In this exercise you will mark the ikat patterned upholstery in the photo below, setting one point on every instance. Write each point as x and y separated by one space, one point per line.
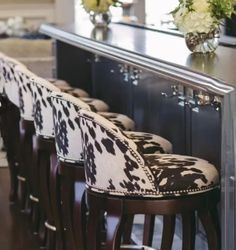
114 165
68 137
42 105
8 81
24 79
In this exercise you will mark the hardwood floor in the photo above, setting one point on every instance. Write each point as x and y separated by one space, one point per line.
15 233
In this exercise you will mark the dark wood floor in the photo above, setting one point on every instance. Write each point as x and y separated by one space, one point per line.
15 233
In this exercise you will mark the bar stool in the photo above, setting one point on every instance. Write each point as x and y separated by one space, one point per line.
11 119
44 150
71 163
121 181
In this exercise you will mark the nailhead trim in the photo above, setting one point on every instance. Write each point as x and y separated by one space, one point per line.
161 194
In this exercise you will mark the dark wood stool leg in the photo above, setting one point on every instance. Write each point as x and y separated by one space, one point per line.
55 199
95 205
189 230
67 193
128 229
23 174
210 228
114 224
34 195
11 120
79 211
168 232
149 222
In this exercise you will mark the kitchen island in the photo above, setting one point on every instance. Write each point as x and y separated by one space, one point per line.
152 77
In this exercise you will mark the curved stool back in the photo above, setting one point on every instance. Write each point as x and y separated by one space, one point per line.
123 181
10 119
69 147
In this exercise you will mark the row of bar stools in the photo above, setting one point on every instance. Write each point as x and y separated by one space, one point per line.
123 181
44 131
17 87
71 161
11 121
67 125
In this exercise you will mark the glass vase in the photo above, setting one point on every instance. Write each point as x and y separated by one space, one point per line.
202 42
100 20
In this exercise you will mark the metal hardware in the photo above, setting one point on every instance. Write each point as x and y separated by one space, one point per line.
135 75
124 70
174 90
196 99
232 178
96 58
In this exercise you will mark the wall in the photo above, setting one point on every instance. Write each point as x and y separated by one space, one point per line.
36 12
24 1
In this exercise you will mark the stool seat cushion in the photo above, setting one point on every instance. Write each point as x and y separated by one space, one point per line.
120 120
95 105
149 143
58 82
180 174
77 92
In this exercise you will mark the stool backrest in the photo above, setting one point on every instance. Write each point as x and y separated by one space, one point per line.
42 107
112 162
8 82
24 78
2 79
10 79
67 133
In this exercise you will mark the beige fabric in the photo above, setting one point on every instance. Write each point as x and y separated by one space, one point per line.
35 54
25 1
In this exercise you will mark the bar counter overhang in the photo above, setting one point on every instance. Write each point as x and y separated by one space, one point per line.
167 56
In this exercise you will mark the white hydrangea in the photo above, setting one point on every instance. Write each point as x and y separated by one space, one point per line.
201 5
197 22
179 16
91 5
196 19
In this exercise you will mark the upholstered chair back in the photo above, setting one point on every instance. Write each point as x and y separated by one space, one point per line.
42 107
2 79
24 79
11 77
7 75
67 133
113 163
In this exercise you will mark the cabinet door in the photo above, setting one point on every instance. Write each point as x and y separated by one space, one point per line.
73 65
111 83
159 109
206 133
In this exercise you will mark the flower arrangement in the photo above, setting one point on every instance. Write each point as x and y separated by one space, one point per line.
201 16
98 6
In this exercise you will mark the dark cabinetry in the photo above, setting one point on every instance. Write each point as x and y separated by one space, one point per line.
188 118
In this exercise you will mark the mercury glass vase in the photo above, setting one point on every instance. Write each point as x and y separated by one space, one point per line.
202 42
100 20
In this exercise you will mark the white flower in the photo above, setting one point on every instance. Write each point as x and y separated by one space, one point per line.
201 5
197 22
179 16
91 5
